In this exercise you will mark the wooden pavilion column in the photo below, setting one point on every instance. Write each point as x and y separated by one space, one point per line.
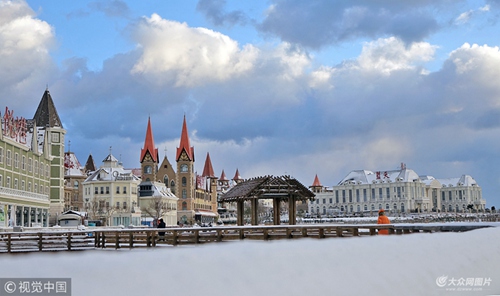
276 211
292 210
254 205
240 211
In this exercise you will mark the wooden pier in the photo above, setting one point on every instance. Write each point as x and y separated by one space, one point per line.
99 238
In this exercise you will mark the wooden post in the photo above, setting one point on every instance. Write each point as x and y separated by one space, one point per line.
131 239
219 235
242 233
373 231
339 232
69 241
304 232
292 210
265 234
276 211
117 242
254 205
196 236
9 243
40 241
148 239
174 237
321 232
103 240
355 231
240 211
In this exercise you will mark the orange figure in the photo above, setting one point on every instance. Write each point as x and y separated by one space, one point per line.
382 219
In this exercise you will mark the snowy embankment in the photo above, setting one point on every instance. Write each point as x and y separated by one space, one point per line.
413 264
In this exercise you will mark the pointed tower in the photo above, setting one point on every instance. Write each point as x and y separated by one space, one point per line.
185 177
48 121
209 175
166 173
237 177
89 165
316 186
149 156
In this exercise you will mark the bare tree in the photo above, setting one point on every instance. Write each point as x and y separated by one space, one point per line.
99 209
156 207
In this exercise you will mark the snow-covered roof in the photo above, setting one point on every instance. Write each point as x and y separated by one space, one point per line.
112 174
367 177
72 166
464 180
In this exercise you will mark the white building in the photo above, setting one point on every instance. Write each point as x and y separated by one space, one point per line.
157 201
110 194
396 191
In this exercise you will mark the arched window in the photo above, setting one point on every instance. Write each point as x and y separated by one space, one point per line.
172 184
366 208
165 180
351 208
184 181
402 207
184 193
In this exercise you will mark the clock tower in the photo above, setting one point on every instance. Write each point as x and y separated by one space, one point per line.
149 157
185 177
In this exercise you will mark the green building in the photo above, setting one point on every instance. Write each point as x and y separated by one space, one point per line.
31 167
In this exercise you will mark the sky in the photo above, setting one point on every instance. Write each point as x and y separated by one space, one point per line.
412 264
267 87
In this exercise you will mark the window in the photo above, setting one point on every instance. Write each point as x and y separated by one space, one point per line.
1 155
380 193
23 185
36 167
16 160
15 183
8 158
96 190
76 184
118 189
55 137
184 206
148 169
117 204
124 205
124 189
29 186
102 190
30 165
107 189
23 163
184 193
36 188
1 181
184 168
184 181
364 195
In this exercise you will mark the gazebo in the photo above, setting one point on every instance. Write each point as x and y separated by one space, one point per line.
283 188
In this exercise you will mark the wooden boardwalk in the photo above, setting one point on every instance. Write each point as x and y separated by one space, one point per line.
97 238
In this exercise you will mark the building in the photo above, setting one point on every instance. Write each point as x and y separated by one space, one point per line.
110 194
31 174
197 194
74 176
396 191
156 199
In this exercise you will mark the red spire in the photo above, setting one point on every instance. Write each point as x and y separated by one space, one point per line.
237 176
149 144
208 170
184 144
223 177
316 182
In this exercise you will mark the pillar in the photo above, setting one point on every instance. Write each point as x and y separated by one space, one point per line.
254 205
292 210
276 211
240 211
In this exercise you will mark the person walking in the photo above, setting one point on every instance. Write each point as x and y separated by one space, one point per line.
161 234
383 219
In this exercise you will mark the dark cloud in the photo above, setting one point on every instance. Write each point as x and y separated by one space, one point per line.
214 11
113 8
315 24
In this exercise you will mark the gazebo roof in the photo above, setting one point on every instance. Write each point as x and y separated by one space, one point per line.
268 187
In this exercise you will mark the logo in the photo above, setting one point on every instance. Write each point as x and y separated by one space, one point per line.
441 281
10 287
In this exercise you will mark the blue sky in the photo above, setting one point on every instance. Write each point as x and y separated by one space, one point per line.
268 87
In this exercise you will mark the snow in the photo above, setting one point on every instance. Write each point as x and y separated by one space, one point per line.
408 264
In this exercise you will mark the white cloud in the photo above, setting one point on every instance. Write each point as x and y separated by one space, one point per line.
24 47
391 54
189 56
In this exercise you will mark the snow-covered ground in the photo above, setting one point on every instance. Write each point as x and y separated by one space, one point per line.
465 263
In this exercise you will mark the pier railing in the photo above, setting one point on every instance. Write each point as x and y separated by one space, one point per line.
96 238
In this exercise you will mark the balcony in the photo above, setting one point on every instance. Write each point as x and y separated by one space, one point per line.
15 193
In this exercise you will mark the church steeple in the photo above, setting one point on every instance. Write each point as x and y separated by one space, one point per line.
149 156
184 144
208 170
149 144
